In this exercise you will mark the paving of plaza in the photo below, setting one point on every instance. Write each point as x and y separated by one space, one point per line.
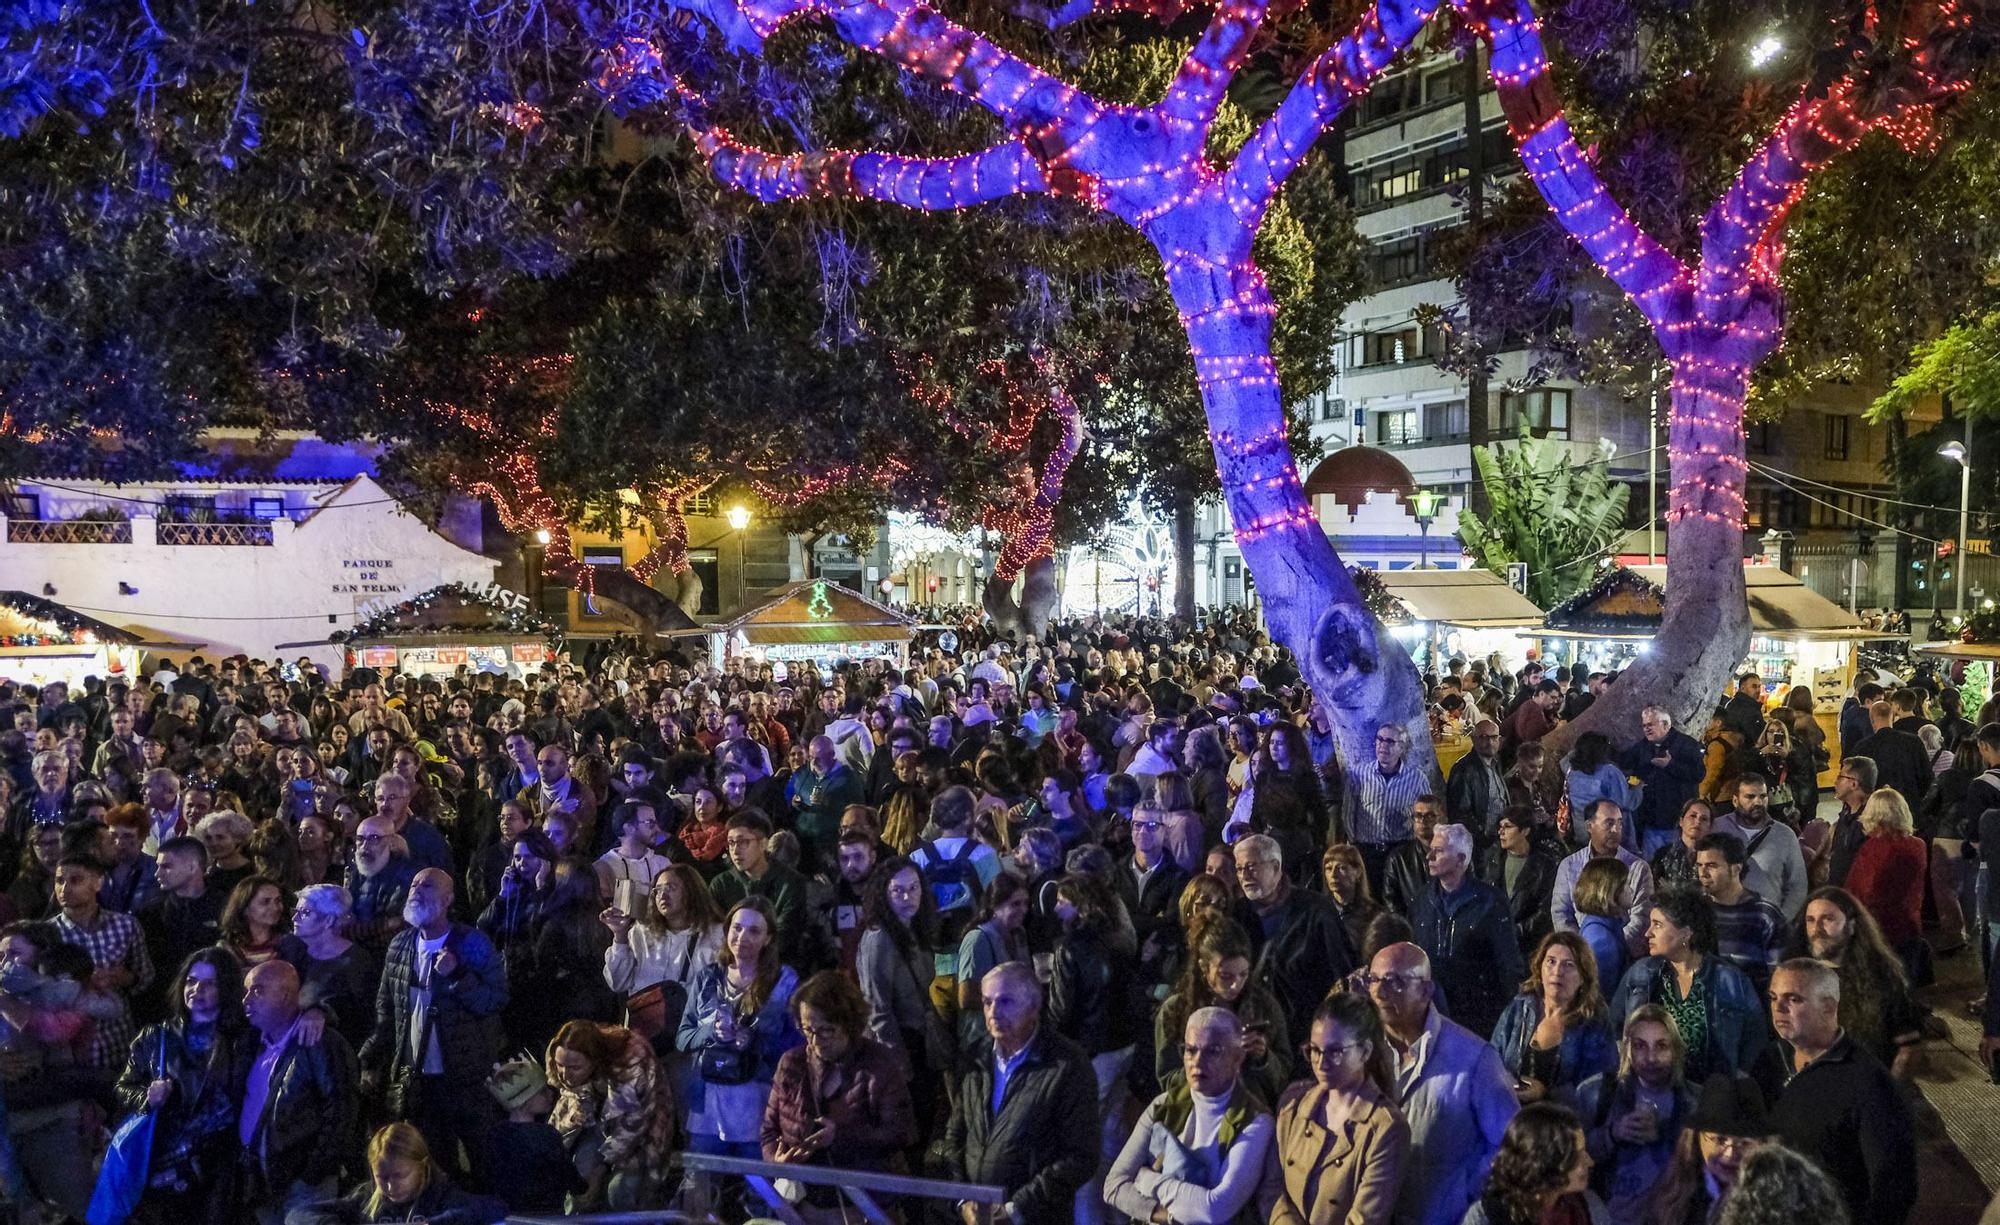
1957 1123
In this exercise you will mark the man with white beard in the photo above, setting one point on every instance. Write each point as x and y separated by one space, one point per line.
379 881
437 1025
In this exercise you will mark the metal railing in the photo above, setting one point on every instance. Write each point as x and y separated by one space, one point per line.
215 533
698 1193
69 531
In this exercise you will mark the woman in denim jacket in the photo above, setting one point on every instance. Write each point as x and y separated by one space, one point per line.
1555 1035
1711 1001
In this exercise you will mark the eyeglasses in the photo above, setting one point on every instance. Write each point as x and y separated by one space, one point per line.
1393 983
1328 1054
1389 741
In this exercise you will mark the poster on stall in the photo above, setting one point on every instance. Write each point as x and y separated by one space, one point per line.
488 659
530 654
379 657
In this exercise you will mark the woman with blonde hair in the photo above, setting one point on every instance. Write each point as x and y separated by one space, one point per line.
1888 871
1555 1034
615 1112
1347 884
404 1184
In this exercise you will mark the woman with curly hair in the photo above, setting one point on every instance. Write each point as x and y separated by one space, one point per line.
1217 975
1717 1011
615 1112
1541 1174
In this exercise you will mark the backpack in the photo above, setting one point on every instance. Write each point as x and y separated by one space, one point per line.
953 880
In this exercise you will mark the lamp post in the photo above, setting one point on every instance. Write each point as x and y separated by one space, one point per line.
1961 454
536 552
1424 502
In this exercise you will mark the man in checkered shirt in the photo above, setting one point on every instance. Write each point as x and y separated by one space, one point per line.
116 948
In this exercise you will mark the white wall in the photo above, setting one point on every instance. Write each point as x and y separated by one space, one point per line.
358 547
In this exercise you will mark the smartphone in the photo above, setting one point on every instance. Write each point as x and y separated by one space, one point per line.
625 896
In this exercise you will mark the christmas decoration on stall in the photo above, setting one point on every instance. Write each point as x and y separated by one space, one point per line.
1619 602
819 608
485 613
54 625
1376 597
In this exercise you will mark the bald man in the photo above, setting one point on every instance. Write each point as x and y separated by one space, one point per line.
819 792
301 1102
437 1024
1210 1115
1456 1093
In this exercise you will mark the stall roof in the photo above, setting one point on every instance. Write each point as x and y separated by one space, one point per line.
1628 602
36 608
452 612
1471 597
817 610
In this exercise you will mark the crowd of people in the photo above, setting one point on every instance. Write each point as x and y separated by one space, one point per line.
1106 920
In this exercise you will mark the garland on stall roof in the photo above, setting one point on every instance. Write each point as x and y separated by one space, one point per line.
1582 611
71 628
1375 597
498 618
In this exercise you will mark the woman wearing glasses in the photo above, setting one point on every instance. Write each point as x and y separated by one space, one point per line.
1341 1143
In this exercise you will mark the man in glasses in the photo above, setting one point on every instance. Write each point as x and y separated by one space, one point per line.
1379 796
1457 1096
1302 948
1209 1116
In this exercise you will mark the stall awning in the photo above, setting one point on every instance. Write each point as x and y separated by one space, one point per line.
22 614
1475 598
1628 603
817 611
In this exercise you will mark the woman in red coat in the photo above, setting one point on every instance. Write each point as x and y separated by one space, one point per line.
1887 876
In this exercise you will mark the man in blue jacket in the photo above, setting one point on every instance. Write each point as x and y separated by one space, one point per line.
1669 767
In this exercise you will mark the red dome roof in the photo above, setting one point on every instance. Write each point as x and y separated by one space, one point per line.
1352 473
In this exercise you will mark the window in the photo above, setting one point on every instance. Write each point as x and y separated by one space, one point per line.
1545 411
266 509
1400 178
190 508
1232 580
1445 421
24 506
1396 426
604 555
1836 436
1759 438
1444 84
1395 262
1389 348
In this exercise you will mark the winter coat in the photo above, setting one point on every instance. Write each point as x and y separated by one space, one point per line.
1305 954
465 1005
629 1106
1528 904
1090 993
1041 1145
1475 954
870 1110
1359 1174
1735 1016
311 1124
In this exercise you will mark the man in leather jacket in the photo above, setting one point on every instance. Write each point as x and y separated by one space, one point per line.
300 1100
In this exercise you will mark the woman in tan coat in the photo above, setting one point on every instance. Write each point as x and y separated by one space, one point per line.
1341 1143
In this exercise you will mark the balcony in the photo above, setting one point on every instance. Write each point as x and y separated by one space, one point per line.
215 534
68 531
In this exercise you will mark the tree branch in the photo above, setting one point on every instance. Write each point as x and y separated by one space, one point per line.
1204 75
1029 528
1636 262
1006 169
1342 73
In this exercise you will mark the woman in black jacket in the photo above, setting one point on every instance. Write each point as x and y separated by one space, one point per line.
1094 1000
544 922
187 1068
404 1184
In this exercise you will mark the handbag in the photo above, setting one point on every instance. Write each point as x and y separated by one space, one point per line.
727 1065
121 1180
654 1012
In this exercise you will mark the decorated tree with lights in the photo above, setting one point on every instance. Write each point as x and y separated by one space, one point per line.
1717 308
1151 167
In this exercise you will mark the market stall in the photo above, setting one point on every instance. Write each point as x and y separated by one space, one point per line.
481 628
1797 636
815 621
42 641
1468 613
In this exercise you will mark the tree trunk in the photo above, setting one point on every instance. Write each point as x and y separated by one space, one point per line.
1361 675
1705 632
1002 608
1184 558
1039 597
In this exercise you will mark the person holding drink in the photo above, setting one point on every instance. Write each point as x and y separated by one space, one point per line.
735 1027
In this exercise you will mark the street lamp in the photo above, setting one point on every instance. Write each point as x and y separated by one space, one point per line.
1766 49
1961 454
1424 502
738 516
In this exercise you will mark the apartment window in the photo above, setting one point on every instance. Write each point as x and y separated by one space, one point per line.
1836 436
1759 438
26 506
1389 348
267 509
707 566
1545 411
1445 421
1396 426
1444 84
1402 260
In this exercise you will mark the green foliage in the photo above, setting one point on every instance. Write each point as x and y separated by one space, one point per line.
1558 515
1963 364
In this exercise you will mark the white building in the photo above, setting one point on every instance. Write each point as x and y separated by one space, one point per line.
237 564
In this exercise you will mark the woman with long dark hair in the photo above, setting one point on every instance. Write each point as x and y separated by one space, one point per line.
1541 1174
894 965
1217 974
999 934
187 1069
254 920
